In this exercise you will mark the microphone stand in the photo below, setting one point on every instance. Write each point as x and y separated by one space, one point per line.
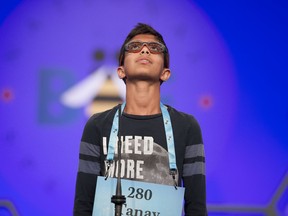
118 199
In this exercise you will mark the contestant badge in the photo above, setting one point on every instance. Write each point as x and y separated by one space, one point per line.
142 198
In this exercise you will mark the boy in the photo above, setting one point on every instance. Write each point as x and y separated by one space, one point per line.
144 65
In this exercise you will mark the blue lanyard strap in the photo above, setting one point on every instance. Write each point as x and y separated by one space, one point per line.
169 137
113 135
168 133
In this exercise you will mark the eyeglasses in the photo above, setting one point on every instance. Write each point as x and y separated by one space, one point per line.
136 46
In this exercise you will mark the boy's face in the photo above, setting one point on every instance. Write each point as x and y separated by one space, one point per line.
145 64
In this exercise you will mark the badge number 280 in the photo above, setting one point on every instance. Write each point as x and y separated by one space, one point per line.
139 193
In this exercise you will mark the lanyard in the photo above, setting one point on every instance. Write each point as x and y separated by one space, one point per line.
168 133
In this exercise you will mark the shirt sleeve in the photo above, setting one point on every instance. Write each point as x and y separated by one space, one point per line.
88 169
194 179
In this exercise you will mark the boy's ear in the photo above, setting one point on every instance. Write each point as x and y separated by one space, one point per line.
121 72
165 74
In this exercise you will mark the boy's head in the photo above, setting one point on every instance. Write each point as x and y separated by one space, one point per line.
141 28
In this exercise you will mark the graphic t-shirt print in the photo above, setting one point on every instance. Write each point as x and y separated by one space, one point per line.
141 159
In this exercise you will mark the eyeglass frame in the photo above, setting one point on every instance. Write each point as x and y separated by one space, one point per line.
147 44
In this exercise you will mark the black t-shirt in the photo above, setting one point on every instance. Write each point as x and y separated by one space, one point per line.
144 156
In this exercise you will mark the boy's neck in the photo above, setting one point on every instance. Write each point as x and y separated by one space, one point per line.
142 98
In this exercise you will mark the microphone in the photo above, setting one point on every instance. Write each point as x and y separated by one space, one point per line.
118 199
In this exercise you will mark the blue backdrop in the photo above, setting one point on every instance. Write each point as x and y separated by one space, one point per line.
229 70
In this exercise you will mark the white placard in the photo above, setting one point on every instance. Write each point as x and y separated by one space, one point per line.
142 198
